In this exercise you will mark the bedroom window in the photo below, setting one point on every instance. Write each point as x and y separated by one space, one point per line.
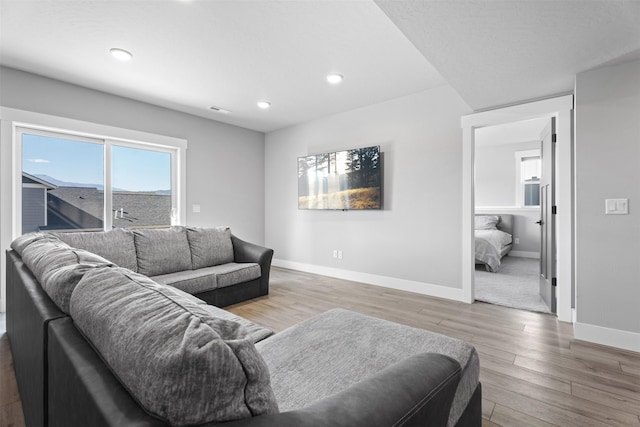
72 182
528 170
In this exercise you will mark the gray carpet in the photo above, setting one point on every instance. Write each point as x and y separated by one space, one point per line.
516 285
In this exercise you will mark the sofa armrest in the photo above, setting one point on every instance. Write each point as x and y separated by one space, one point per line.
249 252
416 391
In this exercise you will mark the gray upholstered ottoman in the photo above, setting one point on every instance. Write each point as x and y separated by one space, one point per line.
330 352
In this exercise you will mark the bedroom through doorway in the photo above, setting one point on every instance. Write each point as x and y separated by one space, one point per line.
508 215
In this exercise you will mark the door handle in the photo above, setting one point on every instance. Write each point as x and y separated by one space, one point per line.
539 222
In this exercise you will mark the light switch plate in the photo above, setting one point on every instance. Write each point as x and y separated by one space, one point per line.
196 208
616 207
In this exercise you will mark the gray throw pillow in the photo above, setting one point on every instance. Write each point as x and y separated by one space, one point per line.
162 251
178 361
210 246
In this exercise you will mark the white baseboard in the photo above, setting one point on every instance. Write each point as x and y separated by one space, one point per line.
525 254
607 336
373 279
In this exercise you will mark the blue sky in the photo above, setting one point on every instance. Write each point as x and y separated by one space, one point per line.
82 162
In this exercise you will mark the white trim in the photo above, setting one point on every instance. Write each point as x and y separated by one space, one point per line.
519 156
607 336
11 165
561 107
373 279
51 123
525 254
500 209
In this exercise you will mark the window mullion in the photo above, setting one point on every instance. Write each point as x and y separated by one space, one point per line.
108 193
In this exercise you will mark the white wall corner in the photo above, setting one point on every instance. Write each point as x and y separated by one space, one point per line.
428 289
606 336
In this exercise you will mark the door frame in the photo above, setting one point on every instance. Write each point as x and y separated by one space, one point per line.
561 108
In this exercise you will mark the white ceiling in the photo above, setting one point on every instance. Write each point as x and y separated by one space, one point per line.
511 133
189 55
500 52
192 54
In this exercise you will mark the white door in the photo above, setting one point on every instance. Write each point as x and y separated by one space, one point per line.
547 217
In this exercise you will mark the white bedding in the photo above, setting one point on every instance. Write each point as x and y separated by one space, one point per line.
489 244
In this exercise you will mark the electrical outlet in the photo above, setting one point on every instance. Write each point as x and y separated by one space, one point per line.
517 240
339 254
335 253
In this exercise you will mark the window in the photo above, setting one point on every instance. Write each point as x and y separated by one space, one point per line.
528 171
72 182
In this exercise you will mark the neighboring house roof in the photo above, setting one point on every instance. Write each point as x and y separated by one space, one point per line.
30 179
83 207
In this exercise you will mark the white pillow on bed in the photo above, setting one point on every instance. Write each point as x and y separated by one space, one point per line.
487 222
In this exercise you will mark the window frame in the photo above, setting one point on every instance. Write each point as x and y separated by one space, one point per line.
519 157
13 121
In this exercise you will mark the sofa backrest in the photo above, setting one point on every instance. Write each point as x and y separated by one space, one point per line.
59 267
162 251
150 252
116 245
210 246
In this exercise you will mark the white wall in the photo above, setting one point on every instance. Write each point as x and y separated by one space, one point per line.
495 173
416 237
495 192
607 155
224 165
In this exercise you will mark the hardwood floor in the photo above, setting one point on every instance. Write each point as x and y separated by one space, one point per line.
534 373
10 406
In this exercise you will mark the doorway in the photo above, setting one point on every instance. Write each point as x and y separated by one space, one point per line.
561 108
510 196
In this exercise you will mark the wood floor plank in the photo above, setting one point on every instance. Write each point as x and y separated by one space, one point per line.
506 356
533 377
505 416
8 386
630 369
487 408
578 346
566 402
623 403
11 415
537 409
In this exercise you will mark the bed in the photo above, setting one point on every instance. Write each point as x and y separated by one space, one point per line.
493 237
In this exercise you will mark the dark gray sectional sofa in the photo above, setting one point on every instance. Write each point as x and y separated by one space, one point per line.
210 263
97 344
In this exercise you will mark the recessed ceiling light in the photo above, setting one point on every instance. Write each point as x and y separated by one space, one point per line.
219 110
264 104
334 78
121 54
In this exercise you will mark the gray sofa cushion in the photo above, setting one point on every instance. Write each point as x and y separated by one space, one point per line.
180 363
191 281
20 243
60 283
115 245
234 273
330 352
210 246
210 278
59 267
162 251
